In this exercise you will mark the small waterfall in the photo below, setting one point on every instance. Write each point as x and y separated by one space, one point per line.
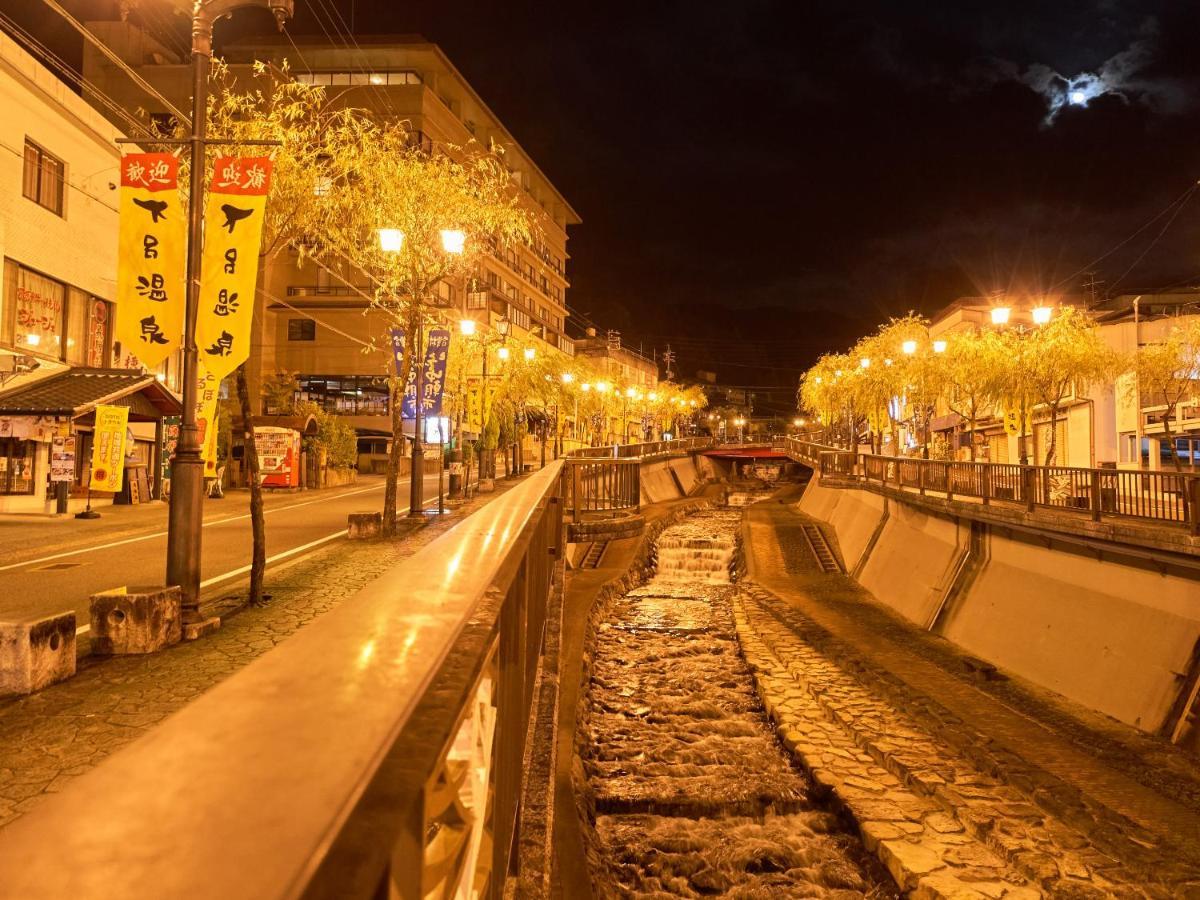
697 550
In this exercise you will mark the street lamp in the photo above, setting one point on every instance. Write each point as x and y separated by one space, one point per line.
502 353
530 353
466 327
391 240
453 240
1000 315
1042 314
909 347
185 518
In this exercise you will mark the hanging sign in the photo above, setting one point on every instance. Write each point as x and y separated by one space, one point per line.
108 448
62 458
233 224
151 251
170 440
437 346
206 417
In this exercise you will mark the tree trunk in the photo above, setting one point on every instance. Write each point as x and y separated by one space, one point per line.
1052 445
1170 439
258 525
398 381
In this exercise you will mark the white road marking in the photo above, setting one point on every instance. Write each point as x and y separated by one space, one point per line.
158 534
83 629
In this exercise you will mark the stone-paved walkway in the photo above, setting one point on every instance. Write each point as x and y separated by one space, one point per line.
48 738
1076 804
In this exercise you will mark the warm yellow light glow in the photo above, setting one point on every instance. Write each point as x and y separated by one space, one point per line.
939 346
585 387
739 421
887 362
530 353
818 379
376 79
1042 314
802 423
602 387
865 363
466 327
1000 315
567 377
502 352
909 347
391 240
453 240
837 373
630 392
797 422
653 396
161 377
691 403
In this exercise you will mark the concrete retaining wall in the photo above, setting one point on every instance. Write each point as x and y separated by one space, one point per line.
1114 633
657 483
1111 635
913 561
685 470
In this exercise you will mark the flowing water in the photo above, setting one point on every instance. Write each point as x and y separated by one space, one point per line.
694 796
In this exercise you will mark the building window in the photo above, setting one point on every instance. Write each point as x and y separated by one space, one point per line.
17 466
377 79
33 311
348 395
43 180
302 330
477 300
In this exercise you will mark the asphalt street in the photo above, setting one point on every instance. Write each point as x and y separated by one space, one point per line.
49 567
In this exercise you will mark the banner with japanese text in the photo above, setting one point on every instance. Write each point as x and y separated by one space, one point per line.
108 448
207 394
151 258
437 349
233 225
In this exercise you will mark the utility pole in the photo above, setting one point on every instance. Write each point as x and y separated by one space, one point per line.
668 359
186 514
1092 287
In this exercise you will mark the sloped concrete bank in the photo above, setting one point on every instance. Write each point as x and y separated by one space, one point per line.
683 788
1101 625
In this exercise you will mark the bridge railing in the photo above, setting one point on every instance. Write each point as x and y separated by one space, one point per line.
379 752
1160 496
602 485
806 452
643 451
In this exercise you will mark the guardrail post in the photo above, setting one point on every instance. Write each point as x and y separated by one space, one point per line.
1194 511
921 478
949 482
1095 495
576 488
985 484
1029 477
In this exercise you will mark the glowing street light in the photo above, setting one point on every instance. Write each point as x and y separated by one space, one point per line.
502 352
939 346
630 392
466 327
909 347
453 240
1000 315
390 240
1042 314
530 353
865 363
585 387
602 387
567 377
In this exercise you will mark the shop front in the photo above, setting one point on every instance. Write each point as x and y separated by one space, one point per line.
45 438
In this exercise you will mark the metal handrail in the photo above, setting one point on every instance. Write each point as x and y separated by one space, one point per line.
645 450
379 751
1162 496
602 485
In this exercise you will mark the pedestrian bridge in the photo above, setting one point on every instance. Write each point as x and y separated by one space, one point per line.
751 719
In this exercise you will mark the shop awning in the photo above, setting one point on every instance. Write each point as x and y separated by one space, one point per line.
77 392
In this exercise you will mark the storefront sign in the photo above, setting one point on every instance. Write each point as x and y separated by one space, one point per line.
170 442
62 458
151 251
32 428
233 223
38 312
108 448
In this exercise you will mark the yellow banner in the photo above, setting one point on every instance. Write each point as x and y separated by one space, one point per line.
151 254
233 224
206 418
108 448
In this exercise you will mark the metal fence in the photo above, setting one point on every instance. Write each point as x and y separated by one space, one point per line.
646 450
379 752
1160 496
602 485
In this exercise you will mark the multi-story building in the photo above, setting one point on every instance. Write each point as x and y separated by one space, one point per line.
312 324
58 239
625 370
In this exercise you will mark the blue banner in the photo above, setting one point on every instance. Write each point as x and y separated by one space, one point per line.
437 348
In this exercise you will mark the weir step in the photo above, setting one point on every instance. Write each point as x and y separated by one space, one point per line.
820 548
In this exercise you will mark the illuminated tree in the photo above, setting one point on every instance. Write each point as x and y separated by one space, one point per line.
1168 372
413 219
975 364
1064 356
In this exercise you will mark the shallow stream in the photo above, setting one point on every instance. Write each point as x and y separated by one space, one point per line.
694 796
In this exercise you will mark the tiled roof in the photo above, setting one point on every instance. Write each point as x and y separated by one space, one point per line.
77 391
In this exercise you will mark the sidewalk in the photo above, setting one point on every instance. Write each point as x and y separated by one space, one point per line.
48 738
1064 795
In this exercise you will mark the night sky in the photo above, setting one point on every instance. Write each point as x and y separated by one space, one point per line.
763 181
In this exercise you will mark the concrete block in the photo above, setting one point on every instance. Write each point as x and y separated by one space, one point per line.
360 526
193 631
36 653
136 620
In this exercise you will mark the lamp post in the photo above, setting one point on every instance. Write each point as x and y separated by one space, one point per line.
185 516
392 241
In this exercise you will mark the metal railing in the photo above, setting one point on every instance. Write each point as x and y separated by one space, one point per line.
379 752
1160 496
643 451
602 485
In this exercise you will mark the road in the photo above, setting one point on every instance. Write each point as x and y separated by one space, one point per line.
68 568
